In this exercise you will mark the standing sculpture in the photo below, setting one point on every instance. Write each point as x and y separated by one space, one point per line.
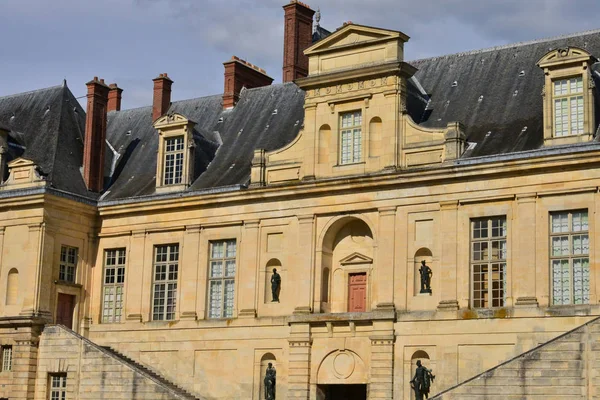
270 382
275 285
421 383
426 274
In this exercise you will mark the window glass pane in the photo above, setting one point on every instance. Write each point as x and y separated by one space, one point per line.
229 295
216 298
217 249
581 281
560 246
560 222
561 282
216 269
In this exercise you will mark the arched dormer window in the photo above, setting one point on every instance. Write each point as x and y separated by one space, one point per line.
568 96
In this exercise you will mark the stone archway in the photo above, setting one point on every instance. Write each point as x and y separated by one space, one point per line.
342 374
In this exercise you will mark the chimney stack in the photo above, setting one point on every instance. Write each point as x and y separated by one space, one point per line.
240 74
162 96
114 97
297 37
95 134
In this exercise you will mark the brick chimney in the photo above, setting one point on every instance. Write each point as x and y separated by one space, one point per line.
114 97
240 74
95 134
297 37
162 96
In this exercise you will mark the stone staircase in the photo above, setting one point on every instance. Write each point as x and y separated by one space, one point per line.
184 394
100 372
567 367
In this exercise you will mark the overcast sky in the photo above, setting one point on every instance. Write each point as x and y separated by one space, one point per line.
132 41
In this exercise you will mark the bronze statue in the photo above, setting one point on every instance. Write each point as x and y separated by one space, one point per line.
275 285
270 381
421 383
426 274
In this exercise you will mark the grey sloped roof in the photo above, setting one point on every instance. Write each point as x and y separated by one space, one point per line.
509 116
225 140
47 126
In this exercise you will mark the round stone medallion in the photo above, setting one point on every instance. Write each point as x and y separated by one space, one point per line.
343 365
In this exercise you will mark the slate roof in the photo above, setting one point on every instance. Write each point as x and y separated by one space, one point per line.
268 117
497 96
509 116
47 126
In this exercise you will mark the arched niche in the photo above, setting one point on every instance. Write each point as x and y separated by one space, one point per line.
422 254
422 356
347 248
264 363
375 133
12 287
342 367
324 144
272 263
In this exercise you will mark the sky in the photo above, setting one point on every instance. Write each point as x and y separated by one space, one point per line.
131 41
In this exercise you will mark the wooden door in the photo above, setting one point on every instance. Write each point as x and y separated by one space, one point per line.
357 292
65 309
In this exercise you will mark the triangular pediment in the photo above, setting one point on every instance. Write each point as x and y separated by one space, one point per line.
356 258
354 35
174 119
20 162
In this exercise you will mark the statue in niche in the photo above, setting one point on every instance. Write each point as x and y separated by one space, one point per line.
270 382
275 285
426 274
421 383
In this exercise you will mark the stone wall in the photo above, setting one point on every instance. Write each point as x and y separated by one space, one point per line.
565 367
94 372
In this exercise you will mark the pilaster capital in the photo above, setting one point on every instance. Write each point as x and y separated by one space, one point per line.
387 211
252 224
2 229
448 205
138 233
36 227
306 219
526 198
191 229
382 340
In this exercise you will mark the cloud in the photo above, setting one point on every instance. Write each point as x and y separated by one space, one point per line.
134 40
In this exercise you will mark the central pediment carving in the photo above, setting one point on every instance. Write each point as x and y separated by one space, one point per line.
356 258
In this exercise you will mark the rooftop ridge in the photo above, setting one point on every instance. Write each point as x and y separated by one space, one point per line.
32 91
510 45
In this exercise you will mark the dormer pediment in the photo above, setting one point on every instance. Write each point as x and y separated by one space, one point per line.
23 174
352 35
564 56
356 258
171 121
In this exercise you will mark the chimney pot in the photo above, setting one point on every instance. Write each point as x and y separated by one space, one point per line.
114 97
297 38
239 74
162 96
95 135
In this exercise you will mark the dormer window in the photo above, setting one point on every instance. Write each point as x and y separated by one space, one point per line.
568 96
174 154
568 107
351 137
175 163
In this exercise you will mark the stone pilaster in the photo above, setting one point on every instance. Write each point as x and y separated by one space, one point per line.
381 385
189 272
135 267
524 276
32 274
386 258
305 256
25 355
299 362
449 226
248 269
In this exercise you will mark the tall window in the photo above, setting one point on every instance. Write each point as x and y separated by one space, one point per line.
221 278
174 148
58 386
351 137
569 257
114 281
166 269
488 261
6 358
68 264
568 107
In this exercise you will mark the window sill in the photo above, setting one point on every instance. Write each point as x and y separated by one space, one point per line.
570 139
349 165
